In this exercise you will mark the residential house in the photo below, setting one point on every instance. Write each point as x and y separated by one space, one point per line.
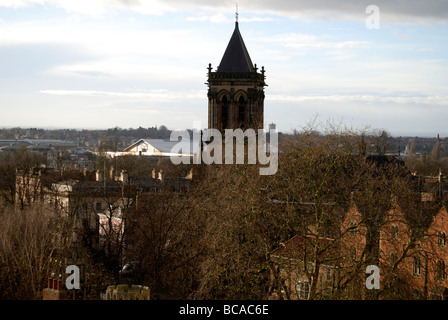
160 148
293 263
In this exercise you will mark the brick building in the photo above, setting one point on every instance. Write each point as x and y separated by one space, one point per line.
289 261
411 255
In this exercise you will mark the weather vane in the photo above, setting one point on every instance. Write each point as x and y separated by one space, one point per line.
236 13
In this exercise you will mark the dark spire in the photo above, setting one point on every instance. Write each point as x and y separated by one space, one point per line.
236 57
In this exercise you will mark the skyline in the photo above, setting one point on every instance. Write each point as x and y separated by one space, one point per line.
103 64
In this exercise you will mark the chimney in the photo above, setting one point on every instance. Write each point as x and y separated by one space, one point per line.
124 176
111 173
99 176
161 175
189 175
154 173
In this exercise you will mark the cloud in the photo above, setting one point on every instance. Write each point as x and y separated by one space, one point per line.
289 44
426 100
94 7
217 18
161 93
155 94
221 18
410 11
108 37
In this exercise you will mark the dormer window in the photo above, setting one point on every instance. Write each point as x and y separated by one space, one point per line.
394 232
354 228
441 239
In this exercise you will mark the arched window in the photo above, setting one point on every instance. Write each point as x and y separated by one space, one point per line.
241 112
224 112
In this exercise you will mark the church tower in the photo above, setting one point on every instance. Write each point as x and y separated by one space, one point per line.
236 89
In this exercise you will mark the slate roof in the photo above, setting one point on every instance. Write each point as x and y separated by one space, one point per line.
236 57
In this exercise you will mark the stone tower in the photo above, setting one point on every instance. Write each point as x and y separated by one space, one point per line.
236 89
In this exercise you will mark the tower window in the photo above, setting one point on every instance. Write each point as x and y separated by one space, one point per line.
224 112
241 111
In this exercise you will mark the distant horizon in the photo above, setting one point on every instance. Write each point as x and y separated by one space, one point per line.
191 128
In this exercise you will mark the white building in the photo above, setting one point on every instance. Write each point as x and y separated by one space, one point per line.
160 147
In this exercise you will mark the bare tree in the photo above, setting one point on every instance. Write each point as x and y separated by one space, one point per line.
29 239
163 244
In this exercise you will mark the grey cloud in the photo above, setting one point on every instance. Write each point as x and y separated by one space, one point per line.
401 11
411 11
128 3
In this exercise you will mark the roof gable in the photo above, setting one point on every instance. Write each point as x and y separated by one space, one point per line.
167 146
440 221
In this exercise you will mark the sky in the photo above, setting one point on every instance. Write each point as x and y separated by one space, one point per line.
93 64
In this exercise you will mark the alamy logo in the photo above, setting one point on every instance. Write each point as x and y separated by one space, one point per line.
73 280
235 147
373 280
373 20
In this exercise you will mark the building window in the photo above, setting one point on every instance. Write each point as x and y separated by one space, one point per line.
224 112
303 289
354 228
440 270
328 274
98 206
441 239
241 111
394 232
417 266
